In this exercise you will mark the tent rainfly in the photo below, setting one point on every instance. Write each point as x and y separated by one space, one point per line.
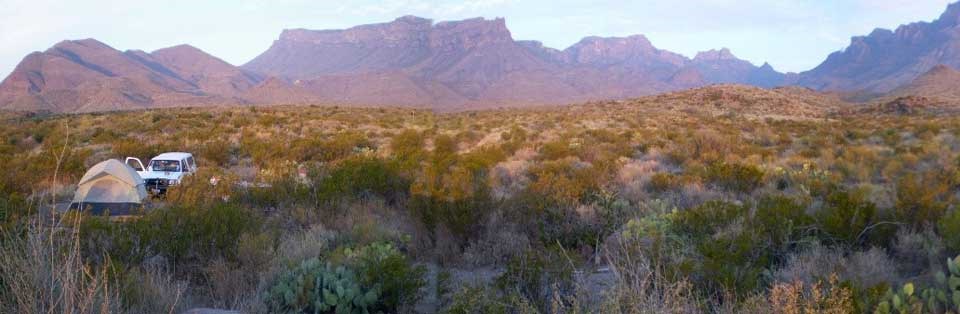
110 186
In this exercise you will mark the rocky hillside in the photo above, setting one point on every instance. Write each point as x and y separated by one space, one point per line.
87 75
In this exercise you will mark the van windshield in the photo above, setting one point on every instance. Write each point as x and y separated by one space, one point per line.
165 165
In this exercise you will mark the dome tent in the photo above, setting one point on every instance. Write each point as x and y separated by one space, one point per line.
110 186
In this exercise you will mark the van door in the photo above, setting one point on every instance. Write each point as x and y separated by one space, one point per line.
192 163
136 164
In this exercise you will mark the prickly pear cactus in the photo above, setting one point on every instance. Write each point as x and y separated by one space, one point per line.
942 297
316 287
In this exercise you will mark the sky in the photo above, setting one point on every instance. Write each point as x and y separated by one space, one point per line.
792 35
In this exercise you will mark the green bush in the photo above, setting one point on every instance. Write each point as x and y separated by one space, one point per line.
372 278
184 235
383 266
316 287
363 176
949 228
845 216
731 256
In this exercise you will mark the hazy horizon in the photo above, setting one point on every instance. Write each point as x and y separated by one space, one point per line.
791 35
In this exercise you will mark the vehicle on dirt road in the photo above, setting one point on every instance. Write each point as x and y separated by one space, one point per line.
164 170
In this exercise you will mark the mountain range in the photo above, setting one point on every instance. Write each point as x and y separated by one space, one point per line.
453 65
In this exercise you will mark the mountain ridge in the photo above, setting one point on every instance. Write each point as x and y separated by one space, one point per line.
452 65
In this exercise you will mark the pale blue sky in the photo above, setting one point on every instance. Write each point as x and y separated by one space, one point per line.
793 35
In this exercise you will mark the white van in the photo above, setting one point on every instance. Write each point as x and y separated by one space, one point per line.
164 170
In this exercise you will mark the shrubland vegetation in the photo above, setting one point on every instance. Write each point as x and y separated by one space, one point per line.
608 208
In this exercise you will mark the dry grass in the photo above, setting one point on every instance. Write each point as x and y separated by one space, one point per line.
44 273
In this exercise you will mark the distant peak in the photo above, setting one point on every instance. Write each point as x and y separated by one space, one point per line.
496 23
633 40
412 19
180 48
87 42
473 30
715 55
951 15
878 32
940 69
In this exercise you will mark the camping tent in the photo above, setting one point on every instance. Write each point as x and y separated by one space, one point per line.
109 185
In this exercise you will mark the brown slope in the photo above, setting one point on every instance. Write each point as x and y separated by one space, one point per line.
87 75
937 91
781 103
206 72
940 82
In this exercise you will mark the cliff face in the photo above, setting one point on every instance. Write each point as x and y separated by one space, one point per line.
476 63
884 60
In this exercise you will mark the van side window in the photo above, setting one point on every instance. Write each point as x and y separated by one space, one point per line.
192 163
186 165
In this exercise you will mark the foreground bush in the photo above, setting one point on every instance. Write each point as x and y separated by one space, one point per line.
182 235
42 271
374 278
316 287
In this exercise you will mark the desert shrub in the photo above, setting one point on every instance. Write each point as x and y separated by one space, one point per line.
846 216
495 245
462 217
281 192
13 207
949 228
186 236
781 222
475 299
662 182
197 189
794 298
918 200
556 150
219 152
536 276
359 177
152 290
918 250
339 146
734 176
407 148
566 181
734 246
